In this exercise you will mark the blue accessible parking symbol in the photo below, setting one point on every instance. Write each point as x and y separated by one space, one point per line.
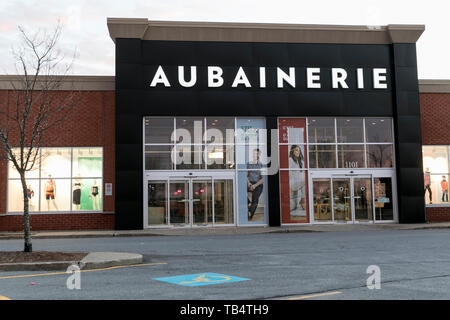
200 279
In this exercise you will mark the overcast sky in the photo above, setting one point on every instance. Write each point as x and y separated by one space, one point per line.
84 23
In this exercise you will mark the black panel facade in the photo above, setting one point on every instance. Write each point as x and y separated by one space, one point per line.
138 60
408 138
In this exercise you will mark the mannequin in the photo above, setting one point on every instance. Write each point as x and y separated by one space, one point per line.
50 192
427 183
444 188
95 191
76 194
30 194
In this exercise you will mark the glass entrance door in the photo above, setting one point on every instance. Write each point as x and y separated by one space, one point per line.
352 199
190 201
344 199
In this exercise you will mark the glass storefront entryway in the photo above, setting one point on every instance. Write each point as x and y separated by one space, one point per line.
187 200
352 198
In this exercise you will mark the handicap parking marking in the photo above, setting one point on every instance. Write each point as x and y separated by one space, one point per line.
200 279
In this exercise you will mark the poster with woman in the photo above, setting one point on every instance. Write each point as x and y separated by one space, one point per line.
293 171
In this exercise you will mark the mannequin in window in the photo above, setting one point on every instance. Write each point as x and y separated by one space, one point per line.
50 192
95 190
76 194
296 182
30 195
444 188
427 183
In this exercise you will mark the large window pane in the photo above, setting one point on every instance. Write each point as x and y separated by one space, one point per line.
435 159
189 157
322 156
217 130
351 156
87 162
158 158
349 130
321 130
158 130
34 173
220 156
436 189
190 130
55 163
87 194
55 194
157 202
15 195
380 156
378 130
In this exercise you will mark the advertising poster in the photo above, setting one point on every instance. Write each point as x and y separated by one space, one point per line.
252 187
293 174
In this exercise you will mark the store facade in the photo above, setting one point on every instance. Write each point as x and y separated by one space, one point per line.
224 124
255 124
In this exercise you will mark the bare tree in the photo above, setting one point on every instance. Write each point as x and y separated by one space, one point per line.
33 106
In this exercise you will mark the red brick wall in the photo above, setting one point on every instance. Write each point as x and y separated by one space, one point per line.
90 123
435 119
438 214
74 221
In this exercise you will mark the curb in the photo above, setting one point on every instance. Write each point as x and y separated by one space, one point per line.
224 231
93 260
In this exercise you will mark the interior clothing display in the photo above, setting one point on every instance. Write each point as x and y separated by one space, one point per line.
76 195
427 183
50 187
30 193
94 191
444 188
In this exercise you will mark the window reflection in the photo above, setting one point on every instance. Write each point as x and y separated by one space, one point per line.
380 156
378 130
321 130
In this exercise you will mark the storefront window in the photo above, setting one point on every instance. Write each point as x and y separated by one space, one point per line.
436 168
159 130
350 130
378 130
189 130
322 156
63 180
321 130
380 156
351 156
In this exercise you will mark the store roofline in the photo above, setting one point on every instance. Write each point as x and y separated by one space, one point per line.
107 83
144 29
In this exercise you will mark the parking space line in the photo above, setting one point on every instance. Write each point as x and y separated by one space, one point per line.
315 295
90 270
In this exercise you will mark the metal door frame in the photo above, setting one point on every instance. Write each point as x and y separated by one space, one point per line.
363 173
189 176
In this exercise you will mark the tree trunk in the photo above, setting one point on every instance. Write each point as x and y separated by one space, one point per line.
28 247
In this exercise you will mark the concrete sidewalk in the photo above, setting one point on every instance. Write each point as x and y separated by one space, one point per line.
199 231
93 260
